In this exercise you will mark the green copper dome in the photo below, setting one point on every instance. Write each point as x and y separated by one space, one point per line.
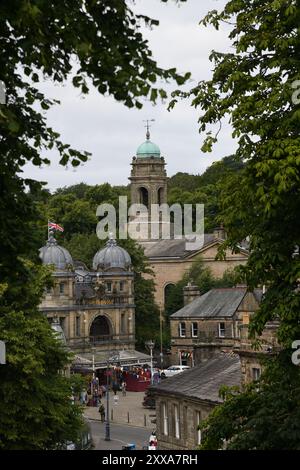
148 149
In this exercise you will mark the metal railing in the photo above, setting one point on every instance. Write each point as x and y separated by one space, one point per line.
99 340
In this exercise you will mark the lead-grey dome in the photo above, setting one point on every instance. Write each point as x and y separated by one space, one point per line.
58 331
112 256
52 253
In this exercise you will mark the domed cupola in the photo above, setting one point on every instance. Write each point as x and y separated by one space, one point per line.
58 331
52 253
111 257
148 149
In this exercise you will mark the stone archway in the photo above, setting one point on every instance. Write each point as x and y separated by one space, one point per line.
144 197
100 329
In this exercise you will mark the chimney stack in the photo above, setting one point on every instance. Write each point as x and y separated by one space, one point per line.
220 233
190 293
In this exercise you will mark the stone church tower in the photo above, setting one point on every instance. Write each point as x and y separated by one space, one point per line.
148 181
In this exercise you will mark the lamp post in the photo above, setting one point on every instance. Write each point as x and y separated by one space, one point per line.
161 337
111 359
107 425
150 344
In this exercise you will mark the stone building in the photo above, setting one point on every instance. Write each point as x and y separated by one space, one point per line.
95 308
185 400
252 359
210 322
169 258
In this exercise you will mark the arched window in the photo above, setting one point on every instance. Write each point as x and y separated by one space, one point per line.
168 297
160 196
144 197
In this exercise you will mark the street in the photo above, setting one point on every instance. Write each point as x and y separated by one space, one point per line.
120 435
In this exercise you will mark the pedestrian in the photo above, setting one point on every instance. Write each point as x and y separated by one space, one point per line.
116 399
102 412
124 388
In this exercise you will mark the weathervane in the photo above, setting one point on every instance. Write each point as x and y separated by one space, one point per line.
148 127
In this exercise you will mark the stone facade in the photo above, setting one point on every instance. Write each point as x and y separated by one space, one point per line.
252 359
181 434
78 316
169 259
185 400
169 271
95 308
205 330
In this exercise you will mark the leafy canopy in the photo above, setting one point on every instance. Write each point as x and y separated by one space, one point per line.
95 43
254 87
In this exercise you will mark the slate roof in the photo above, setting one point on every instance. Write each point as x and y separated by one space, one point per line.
215 303
174 248
83 290
204 381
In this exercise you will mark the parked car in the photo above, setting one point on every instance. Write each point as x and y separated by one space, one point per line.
173 370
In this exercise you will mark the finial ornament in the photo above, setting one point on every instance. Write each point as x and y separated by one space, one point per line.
148 127
51 240
111 240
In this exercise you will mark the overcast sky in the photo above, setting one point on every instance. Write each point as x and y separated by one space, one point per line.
112 133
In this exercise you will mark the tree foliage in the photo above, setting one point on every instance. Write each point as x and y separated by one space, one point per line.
204 189
95 43
35 407
255 85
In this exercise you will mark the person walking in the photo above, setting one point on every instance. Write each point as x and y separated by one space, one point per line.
102 412
124 388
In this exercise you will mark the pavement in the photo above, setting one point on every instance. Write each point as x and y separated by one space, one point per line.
127 410
120 435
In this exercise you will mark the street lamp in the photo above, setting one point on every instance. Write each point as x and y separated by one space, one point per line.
114 357
161 337
150 344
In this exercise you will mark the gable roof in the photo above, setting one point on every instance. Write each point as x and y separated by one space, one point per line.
204 381
175 248
215 303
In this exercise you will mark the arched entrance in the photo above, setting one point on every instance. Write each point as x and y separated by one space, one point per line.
144 197
100 330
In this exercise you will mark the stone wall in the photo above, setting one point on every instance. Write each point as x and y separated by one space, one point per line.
170 272
190 412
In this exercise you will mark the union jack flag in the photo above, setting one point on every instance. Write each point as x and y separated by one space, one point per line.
54 226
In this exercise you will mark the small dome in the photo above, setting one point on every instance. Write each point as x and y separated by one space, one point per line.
148 149
58 331
52 253
112 256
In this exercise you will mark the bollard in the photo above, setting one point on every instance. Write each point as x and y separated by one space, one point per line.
112 415
127 416
145 420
